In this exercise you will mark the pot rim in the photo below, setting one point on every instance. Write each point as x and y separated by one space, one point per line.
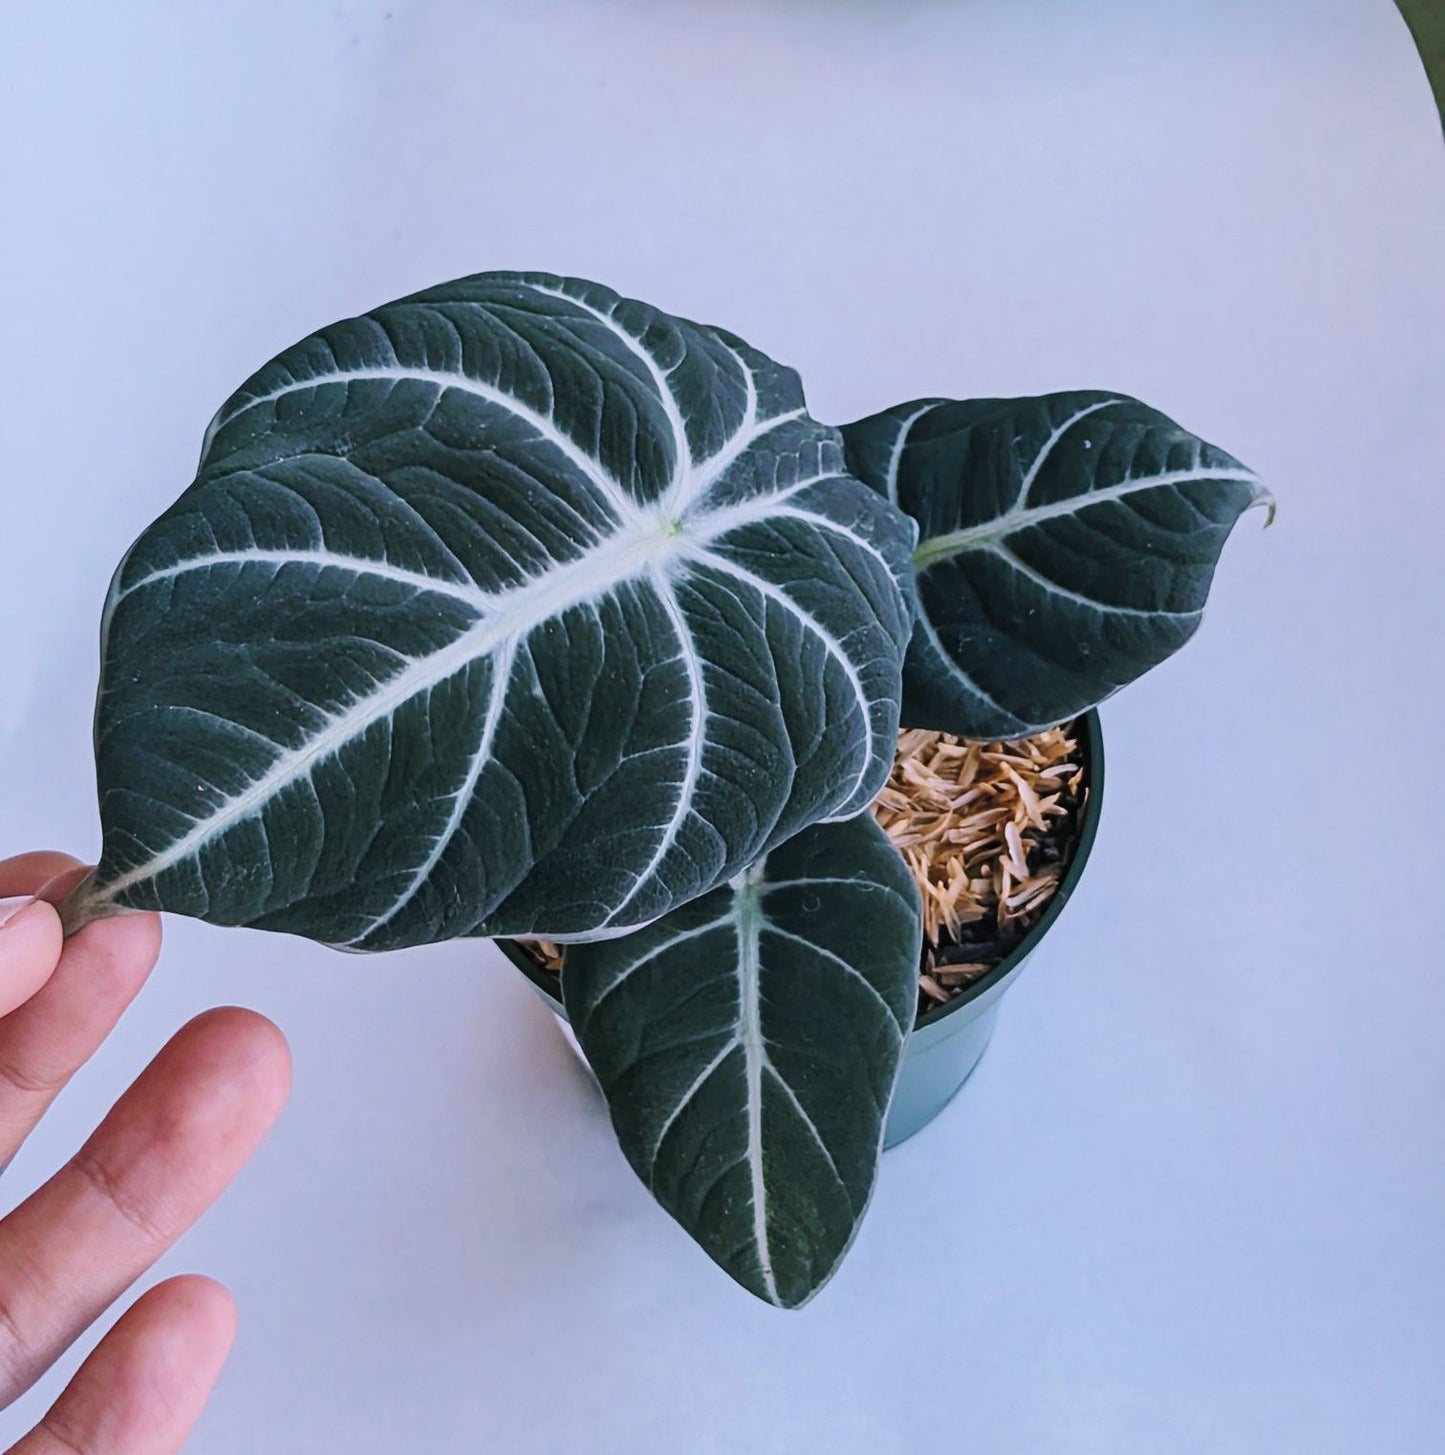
1092 741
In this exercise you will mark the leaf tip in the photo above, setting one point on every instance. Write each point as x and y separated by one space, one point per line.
1264 499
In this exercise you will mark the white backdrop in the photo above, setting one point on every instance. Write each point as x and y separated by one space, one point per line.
1195 1198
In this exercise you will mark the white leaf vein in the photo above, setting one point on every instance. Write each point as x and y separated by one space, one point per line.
941 547
418 581
624 508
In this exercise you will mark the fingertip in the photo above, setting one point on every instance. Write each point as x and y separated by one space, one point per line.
30 945
133 937
253 1035
147 1382
110 959
57 887
27 873
200 1305
246 1050
184 1330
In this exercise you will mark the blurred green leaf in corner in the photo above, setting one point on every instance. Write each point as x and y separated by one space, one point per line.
1426 19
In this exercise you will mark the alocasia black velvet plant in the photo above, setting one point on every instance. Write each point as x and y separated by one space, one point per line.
516 608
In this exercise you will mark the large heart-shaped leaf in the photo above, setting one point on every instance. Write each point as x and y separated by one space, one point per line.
748 1046
513 607
1066 545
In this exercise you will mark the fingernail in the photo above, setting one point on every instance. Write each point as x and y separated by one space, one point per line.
9 908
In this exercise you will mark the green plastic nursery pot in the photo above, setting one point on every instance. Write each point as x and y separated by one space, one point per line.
947 1043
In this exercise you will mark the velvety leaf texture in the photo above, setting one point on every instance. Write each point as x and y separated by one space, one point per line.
512 607
1066 546
748 1046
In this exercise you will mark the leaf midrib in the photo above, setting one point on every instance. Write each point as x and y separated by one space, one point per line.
941 548
652 547
749 915
625 509
597 572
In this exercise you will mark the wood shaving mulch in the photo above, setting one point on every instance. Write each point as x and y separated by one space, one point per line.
987 829
545 953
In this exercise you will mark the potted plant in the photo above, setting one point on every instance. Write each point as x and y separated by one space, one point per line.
521 610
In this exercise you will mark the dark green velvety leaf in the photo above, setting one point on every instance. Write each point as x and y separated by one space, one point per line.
512 607
1066 545
748 1046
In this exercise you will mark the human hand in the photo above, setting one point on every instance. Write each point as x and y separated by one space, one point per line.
164 1153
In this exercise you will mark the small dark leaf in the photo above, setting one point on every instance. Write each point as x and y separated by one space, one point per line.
1067 544
748 1046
